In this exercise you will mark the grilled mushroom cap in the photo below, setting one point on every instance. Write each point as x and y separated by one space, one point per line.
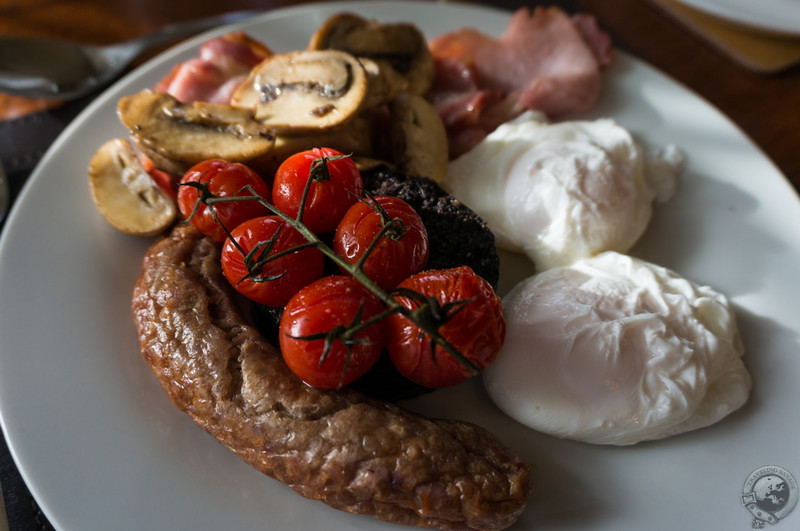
305 91
417 138
124 192
182 135
400 50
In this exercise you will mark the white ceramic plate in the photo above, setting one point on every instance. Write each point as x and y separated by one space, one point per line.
779 16
101 446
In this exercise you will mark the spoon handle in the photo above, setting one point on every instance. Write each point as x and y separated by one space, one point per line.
53 69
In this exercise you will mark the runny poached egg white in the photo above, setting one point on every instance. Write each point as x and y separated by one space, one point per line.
616 350
563 191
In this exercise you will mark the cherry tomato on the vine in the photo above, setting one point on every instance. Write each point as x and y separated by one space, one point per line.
401 251
328 198
270 282
477 330
223 179
330 304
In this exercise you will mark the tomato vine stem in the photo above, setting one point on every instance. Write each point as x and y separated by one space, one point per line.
429 315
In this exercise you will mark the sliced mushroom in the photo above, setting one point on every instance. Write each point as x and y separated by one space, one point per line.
336 30
125 194
381 87
305 91
417 140
399 49
171 166
356 138
182 135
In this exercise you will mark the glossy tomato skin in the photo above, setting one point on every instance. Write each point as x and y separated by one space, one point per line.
318 308
396 257
224 179
327 201
477 331
296 270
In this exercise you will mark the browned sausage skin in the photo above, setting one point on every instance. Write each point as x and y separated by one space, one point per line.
352 452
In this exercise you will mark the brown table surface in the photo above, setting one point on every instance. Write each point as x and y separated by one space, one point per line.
765 107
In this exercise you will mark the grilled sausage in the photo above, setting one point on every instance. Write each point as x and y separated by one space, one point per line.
352 452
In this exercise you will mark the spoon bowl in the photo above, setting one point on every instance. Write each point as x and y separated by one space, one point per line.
64 70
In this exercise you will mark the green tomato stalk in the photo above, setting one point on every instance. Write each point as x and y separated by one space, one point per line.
429 315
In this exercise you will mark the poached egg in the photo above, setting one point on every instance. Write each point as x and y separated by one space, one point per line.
563 191
616 350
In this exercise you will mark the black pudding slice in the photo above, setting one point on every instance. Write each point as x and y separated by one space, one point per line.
457 236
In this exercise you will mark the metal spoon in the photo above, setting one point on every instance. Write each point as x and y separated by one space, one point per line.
54 69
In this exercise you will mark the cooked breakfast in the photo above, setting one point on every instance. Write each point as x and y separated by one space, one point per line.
329 223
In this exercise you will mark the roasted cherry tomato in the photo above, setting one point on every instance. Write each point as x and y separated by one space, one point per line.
401 251
270 282
223 179
332 303
477 330
336 184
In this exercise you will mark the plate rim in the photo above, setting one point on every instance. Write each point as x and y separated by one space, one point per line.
102 100
725 9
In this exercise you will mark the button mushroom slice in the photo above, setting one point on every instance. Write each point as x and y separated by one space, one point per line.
188 133
400 49
125 194
417 140
381 85
356 137
335 31
304 91
172 166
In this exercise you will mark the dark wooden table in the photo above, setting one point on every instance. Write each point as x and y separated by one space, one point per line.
765 107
